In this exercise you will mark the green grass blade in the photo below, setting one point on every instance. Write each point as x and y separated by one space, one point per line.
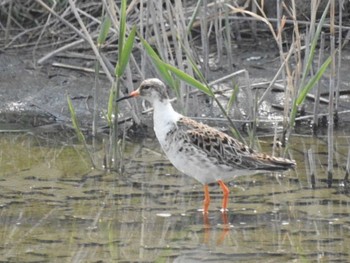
126 51
194 16
313 81
159 64
300 99
75 124
188 79
106 25
233 97
122 28
111 103
314 44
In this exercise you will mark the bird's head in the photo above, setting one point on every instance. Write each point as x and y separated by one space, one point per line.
151 90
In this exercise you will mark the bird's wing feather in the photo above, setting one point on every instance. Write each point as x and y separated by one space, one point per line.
227 150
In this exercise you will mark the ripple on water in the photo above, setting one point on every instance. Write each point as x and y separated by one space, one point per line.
54 207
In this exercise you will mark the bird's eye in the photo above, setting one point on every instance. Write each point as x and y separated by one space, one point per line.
146 87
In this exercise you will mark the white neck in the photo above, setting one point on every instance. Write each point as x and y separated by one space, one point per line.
164 117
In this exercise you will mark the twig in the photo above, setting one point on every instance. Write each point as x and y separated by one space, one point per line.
90 41
67 66
59 50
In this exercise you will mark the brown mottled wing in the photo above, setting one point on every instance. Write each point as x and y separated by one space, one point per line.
227 150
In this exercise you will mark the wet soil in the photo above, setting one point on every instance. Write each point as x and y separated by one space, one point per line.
34 96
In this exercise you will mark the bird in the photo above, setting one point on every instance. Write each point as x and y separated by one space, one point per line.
201 151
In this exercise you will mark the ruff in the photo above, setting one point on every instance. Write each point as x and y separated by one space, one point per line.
200 151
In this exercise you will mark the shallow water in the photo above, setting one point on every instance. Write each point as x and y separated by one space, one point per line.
55 208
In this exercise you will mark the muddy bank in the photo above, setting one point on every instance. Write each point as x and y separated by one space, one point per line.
33 96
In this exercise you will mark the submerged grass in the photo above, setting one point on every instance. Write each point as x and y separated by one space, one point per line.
77 129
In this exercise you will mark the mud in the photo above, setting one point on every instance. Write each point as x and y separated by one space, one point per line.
34 96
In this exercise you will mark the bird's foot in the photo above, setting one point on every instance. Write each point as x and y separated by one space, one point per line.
204 212
223 210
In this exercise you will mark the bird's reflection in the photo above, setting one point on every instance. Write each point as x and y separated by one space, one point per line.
216 229
208 228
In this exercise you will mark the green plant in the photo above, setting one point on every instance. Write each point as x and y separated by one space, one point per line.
125 46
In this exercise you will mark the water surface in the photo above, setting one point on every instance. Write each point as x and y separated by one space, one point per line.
55 208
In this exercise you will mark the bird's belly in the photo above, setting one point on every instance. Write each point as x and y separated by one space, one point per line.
196 163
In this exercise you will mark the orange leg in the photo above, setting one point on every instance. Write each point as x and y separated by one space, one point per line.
206 199
225 192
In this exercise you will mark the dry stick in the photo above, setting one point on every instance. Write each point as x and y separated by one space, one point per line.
257 17
253 105
227 77
237 29
310 97
204 38
321 115
68 66
318 90
218 33
43 31
280 27
24 32
274 145
312 168
294 78
94 19
90 41
337 93
290 87
287 21
254 114
299 67
86 37
8 23
254 24
157 30
277 37
15 22
290 52
136 66
144 29
176 30
228 40
60 18
346 178
59 50
165 41
331 102
181 20
44 44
